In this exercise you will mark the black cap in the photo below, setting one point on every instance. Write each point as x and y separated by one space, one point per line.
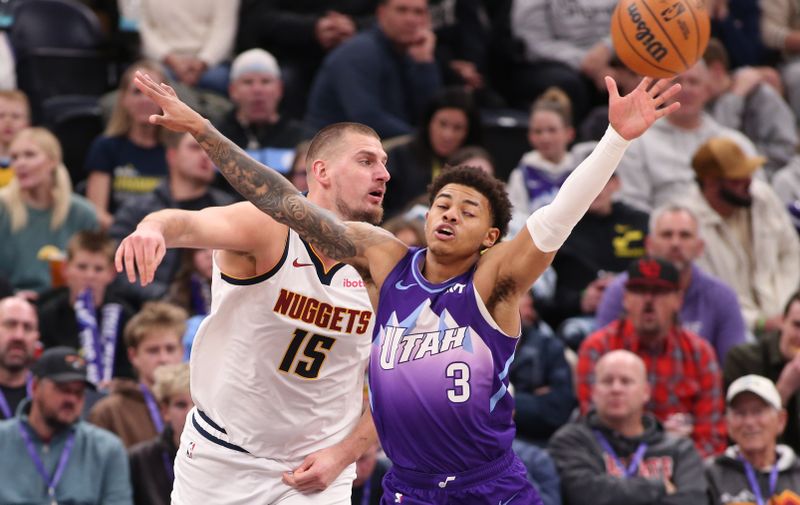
60 364
652 273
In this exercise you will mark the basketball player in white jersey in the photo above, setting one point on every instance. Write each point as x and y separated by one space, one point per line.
278 364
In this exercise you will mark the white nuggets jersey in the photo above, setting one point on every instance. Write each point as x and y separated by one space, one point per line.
279 362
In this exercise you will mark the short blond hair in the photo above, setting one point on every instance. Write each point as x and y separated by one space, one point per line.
170 380
155 315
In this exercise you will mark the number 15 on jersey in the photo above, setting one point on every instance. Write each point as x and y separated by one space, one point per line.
313 355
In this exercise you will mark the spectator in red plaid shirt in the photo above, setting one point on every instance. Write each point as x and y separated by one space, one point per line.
682 369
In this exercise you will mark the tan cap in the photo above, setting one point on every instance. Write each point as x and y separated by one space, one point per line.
723 158
759 386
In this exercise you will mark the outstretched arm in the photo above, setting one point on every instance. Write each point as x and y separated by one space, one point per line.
267 189
522 260
239 228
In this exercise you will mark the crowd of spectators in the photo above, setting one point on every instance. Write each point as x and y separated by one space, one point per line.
659 356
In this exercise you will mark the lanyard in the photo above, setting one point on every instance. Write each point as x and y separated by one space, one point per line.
51 482
152 406
5 407
168 466
367 491
754 485
200 295
633 466
97 344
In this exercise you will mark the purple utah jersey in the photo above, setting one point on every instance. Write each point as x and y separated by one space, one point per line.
438 373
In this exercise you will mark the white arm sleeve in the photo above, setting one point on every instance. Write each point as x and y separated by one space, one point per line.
550 225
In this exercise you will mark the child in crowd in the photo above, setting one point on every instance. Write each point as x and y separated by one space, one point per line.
86 314
541 171
153 338
15 115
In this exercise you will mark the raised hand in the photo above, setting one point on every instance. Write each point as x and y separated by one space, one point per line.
631 115
176 115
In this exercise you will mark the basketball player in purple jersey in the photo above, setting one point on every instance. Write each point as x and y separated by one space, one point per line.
447 316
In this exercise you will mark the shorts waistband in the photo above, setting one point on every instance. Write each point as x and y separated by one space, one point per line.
455 480
211 431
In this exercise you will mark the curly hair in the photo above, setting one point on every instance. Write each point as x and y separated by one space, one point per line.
493 189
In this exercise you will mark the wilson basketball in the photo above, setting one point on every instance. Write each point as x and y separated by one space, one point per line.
660 38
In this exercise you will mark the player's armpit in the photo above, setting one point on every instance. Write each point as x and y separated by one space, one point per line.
505 272
518 259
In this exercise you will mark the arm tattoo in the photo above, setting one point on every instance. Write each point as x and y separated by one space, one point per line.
274 195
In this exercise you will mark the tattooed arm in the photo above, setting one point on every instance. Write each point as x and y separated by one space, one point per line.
273 194
360 244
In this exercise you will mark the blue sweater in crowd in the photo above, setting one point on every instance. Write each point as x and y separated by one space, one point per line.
367 80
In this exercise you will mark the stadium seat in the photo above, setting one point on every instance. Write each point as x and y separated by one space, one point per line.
75 120
505 136
60 50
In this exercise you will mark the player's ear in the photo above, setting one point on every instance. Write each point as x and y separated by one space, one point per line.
320 172
491 238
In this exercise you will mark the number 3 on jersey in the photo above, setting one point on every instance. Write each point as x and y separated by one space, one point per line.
314 350
459 372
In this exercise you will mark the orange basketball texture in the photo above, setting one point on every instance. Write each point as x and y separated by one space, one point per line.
660 38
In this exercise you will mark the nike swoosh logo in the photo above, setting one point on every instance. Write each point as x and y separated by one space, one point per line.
402 287
297 264
509 500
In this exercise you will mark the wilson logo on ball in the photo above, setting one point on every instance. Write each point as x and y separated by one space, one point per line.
644 35
660 38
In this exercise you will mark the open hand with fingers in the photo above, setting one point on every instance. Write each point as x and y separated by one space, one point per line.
176 115
141 251
631 115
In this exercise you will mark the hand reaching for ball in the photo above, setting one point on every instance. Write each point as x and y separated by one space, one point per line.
632 114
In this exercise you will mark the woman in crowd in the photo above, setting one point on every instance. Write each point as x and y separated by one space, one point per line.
129 158
450 122
38 212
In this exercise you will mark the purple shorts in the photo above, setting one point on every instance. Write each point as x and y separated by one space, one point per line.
503 481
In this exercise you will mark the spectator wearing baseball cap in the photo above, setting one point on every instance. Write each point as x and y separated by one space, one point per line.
756 469
256 124
750 242
776 356
682 368
48 454
710 307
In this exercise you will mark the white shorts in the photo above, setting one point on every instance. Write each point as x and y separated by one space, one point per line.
208 469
